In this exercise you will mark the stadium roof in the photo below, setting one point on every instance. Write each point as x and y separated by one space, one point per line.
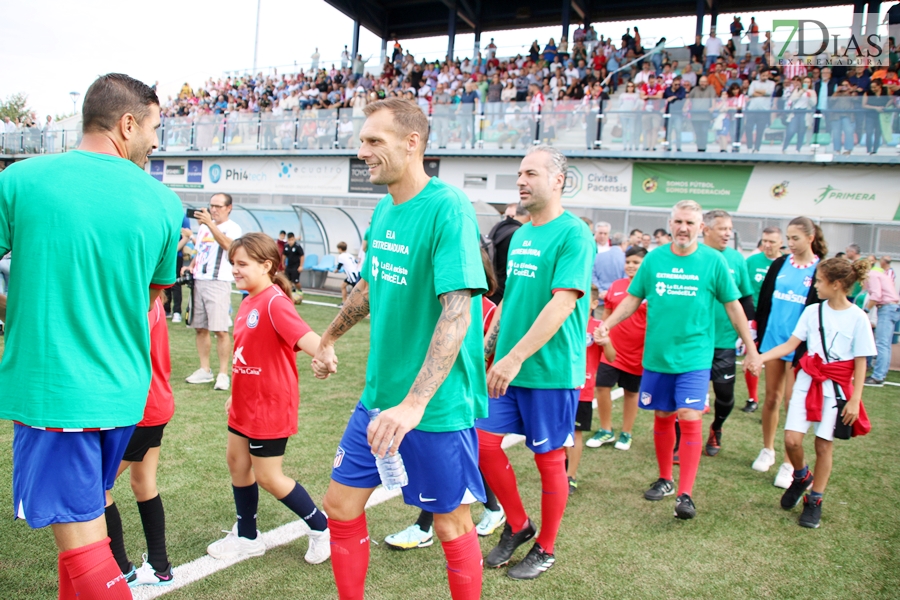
407 19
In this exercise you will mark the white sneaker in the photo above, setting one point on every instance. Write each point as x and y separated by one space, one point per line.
319 547
176 317
234 546
221 382
490 521
147 575
201 376
411 537
764 461
785 476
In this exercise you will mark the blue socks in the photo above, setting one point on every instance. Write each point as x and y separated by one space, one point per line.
813 496
246 500
298 500
800 474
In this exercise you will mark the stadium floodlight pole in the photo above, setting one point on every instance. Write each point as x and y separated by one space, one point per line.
74 96
256 39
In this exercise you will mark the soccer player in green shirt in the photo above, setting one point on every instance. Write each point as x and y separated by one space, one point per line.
682 283
76 378
757 266
425 370
538 340
717 232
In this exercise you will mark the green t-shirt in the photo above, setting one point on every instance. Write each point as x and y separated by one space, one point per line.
558 255
757 266
89 234
726 336
417 251
681 294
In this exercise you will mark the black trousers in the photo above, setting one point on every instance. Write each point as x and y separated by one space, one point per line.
173 294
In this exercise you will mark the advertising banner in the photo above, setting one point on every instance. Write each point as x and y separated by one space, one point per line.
865 194
712 186
598 184
253 174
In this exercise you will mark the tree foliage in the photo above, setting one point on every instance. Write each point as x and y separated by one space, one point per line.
14 106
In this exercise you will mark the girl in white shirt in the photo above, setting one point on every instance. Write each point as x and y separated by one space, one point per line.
849 339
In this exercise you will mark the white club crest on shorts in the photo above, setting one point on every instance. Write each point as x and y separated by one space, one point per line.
646 398
338 457
253 319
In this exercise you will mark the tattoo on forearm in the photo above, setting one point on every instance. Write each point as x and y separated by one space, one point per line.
355 310
490 342
448 337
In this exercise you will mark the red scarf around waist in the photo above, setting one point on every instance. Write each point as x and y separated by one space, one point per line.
841 374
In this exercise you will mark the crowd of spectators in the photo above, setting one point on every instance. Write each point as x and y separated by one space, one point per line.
732 92
705 95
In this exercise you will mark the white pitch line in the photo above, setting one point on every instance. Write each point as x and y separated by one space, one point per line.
205 566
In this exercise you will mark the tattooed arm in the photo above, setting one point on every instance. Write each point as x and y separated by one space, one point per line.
355 310
490 340
388 430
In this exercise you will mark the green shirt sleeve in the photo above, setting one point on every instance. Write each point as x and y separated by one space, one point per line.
165 268
726 291
745 286
574 264
457 254
366 267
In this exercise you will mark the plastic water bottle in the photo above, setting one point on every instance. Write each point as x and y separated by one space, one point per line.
390 468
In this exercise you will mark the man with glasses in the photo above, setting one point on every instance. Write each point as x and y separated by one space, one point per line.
212 288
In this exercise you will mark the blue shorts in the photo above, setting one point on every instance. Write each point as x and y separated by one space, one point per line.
545 417
442 467
62 477
667 392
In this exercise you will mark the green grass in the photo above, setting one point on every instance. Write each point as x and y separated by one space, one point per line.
612 544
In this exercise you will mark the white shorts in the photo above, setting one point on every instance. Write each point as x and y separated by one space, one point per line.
212 300
796 416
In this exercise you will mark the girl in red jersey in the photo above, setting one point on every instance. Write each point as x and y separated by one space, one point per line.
583 413
626 369
262 409
142 456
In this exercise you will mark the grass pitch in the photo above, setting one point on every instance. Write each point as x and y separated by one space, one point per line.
612 544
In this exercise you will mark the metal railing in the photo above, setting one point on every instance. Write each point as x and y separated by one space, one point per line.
850 125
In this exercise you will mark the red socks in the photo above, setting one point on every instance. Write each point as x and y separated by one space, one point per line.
555 494
91 573
66 591
464 568
350 556
691 447
752 385
500 476
664 442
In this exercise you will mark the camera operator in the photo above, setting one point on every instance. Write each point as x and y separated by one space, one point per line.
212 288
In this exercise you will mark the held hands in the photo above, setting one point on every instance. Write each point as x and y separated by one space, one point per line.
501 375
601 335
186 233
386 432
752 362
324 363
602 332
